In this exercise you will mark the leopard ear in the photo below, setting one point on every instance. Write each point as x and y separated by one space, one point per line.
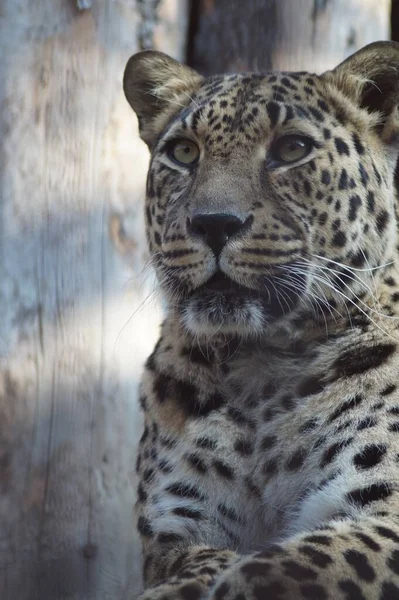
370 77
157 86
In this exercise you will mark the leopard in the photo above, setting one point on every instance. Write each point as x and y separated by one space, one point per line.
268 466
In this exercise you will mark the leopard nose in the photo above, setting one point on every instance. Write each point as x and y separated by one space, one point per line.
216 228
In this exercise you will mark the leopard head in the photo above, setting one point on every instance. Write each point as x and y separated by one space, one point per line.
269 196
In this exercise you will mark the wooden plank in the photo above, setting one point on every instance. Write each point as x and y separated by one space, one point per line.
319 34
77 318
230 35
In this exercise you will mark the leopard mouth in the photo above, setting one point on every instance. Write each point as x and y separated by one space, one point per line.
221 283
221 304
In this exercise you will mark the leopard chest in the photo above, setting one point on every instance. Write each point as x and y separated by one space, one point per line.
266 452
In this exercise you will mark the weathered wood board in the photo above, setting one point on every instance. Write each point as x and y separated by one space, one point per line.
77 313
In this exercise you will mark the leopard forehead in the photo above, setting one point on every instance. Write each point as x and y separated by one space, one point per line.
237 110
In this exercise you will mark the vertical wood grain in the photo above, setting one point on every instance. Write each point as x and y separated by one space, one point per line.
230 35
77 313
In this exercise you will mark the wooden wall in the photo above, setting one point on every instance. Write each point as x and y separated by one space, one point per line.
315 35
76 318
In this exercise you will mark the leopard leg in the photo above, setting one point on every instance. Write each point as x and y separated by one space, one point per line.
192 514
346 559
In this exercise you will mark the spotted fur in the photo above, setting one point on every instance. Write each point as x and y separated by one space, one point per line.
269 462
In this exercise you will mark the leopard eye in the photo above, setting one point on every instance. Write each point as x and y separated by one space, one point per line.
184 152
290 148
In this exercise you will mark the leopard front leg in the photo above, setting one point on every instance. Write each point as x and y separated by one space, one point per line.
344 560
188 572
192 512
183 541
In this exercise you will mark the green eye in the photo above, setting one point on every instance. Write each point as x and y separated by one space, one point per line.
184 152
291 148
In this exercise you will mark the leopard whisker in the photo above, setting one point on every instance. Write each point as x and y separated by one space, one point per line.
348 299
318 256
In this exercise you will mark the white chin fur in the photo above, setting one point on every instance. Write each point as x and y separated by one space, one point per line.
245 321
